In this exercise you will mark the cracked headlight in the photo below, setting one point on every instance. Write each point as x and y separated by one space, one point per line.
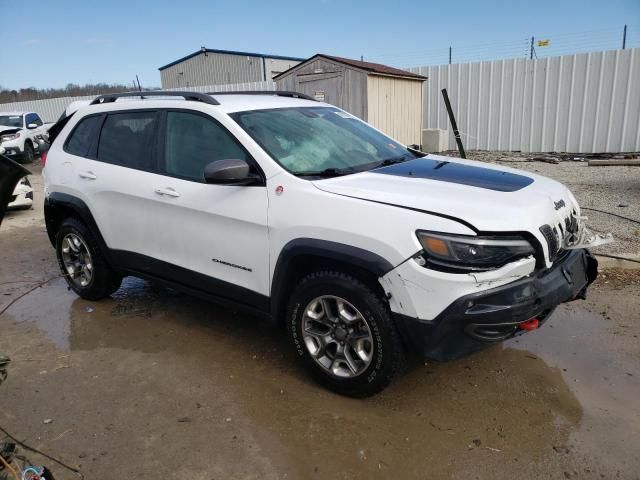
460 253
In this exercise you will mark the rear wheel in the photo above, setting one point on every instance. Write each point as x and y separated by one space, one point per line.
343 331
83 266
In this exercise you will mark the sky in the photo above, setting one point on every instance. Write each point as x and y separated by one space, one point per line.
49 44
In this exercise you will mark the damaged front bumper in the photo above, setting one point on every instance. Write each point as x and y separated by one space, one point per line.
483 318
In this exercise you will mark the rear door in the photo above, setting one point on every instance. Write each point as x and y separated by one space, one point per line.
117 176
219 232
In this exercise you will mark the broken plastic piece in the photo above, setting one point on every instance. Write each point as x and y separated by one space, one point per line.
587 238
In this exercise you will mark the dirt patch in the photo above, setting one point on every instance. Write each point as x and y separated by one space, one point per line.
617 278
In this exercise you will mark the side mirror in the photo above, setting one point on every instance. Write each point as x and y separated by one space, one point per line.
31 126
230 172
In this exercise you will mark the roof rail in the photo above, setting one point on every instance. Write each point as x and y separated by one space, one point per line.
278 93
191 96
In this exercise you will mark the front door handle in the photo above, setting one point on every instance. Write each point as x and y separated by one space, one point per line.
87 175
167 191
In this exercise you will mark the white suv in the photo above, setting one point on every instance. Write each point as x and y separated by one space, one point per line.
298 211
22 135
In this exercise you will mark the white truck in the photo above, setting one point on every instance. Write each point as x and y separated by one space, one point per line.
22 135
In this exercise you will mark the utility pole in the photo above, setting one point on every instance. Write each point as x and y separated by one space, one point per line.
531 50
449 55
624 37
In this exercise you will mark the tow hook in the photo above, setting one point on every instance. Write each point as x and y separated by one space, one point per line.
529 325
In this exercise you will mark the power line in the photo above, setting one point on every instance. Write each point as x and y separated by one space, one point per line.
487 46
560 44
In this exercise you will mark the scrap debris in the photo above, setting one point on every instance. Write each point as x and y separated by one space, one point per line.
593 159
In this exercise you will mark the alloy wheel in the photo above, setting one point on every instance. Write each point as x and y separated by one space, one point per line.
337 336
77 260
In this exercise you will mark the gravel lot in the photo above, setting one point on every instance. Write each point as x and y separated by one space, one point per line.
602 188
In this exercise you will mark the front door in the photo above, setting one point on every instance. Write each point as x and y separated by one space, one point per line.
218 232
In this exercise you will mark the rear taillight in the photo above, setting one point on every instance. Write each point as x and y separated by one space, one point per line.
43 157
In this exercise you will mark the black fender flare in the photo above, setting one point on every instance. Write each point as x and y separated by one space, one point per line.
57 201
299 247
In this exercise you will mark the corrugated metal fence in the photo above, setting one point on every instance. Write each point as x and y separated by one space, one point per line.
50 109
583 103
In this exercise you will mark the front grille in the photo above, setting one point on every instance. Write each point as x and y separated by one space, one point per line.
550 234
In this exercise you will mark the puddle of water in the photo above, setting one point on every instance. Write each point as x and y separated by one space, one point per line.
605 381
48 309
504 408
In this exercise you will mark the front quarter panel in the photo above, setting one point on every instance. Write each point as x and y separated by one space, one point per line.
297 209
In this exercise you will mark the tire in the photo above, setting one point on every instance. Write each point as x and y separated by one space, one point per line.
91 283
28 154
381 355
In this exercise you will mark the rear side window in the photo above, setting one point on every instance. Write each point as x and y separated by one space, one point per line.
193 141
82 137
129 139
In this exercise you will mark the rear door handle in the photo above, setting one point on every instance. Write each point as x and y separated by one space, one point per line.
167 191
87 175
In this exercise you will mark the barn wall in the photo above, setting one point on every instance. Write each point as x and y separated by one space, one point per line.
395 107
276 66
342 86
212 69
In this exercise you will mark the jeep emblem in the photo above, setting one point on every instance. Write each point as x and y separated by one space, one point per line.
559 204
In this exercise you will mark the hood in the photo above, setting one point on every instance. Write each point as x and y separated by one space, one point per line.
484 196
4 130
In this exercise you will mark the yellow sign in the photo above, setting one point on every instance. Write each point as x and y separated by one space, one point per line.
543 43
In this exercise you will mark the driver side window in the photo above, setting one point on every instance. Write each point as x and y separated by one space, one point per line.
193 141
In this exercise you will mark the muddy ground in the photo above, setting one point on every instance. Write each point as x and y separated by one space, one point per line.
155 384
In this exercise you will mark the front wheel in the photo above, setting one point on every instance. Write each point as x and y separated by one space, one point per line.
343 331
28 153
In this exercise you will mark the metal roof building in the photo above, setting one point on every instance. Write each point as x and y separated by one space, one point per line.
388 98
209 66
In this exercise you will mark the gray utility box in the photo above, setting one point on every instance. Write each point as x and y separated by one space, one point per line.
388 98
435 140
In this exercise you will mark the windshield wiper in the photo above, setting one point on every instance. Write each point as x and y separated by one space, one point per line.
326 173
390 161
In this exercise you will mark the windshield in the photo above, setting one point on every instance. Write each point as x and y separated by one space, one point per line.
11 121
320 140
